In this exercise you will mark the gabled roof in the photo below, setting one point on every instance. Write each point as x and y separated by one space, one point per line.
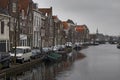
46 10
65 25
23 5
82 26
70 21
79 28
55 17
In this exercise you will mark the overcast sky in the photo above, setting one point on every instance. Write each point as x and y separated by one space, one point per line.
101 14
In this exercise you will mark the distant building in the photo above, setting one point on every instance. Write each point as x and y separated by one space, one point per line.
100 38
92 37
82 33
58 31
71 31
65 31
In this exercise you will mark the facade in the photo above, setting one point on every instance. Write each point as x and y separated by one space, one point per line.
4 33
21 23
61 34
65 30
36 28
48 26
25 23
92 37
86 34
82 33
71 32
58 29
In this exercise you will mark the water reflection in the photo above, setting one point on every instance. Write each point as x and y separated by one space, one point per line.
44 71
102 63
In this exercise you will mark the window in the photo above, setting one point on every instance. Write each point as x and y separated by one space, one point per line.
17 50
25 51
28 50
2 27
23 14
14 7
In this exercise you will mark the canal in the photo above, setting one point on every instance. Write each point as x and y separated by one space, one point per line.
93 63
101 63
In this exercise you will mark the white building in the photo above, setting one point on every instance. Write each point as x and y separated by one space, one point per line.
4 33
37 22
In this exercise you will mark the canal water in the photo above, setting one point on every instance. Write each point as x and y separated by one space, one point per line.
101 63
93 63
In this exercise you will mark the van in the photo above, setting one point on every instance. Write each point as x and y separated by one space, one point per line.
23 53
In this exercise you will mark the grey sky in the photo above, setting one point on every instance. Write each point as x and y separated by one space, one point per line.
101 14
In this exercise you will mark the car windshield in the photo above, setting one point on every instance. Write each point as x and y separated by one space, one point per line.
18 50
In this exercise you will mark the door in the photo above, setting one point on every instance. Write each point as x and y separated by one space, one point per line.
2 46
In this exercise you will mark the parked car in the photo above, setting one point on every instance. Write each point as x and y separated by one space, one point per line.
55 48
94 43
46 50
68 44
23 53
58 48
36 53
4 60
62 48
77 46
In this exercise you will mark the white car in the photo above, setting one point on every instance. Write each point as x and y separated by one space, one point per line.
68 44
23 53
56 47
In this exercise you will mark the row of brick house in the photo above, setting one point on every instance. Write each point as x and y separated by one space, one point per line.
22 23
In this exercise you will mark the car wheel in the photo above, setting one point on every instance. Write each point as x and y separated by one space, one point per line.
29 60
